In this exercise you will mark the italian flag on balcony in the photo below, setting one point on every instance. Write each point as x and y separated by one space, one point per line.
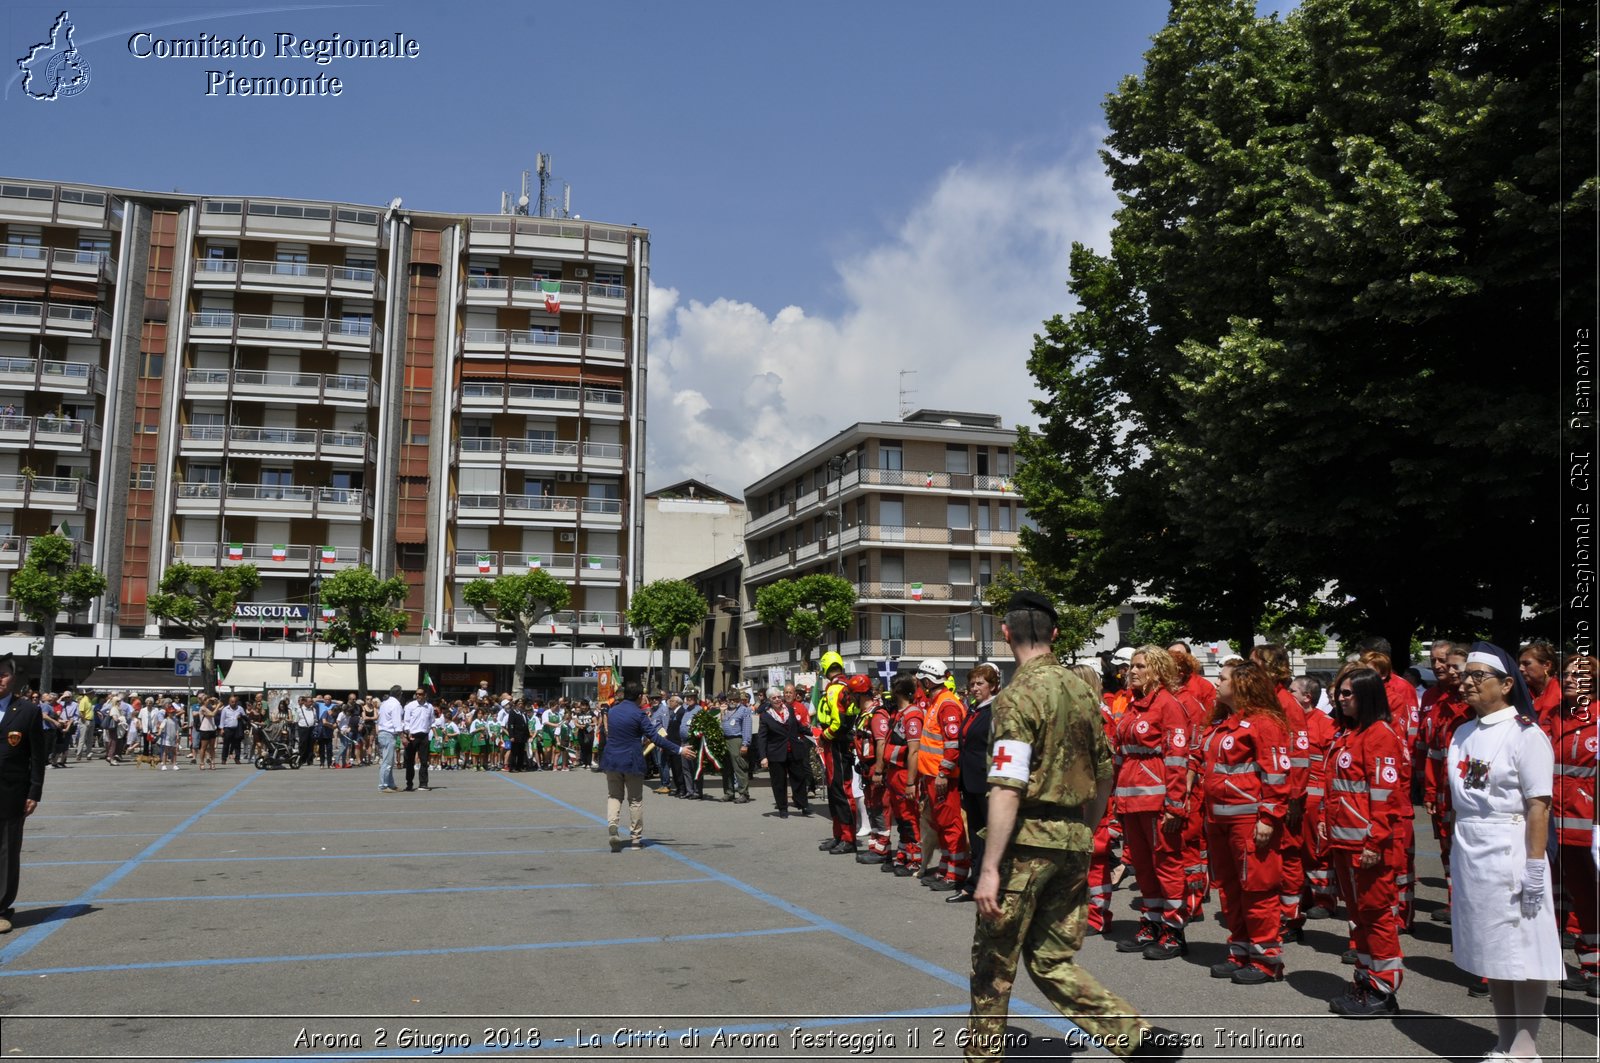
594 562
552 296
236 551
327 614
916 592
1005 486
485 561
280 552
535 561
928 481
329 555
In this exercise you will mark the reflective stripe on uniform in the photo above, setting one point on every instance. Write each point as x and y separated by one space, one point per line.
1141 791
1349 834
1572 823
1576 771
1236 810
1349 786
1233 769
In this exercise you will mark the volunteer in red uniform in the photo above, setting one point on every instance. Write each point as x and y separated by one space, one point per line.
1274 660
1537 662
1573 735
900 756
1241 768
938 784
872 730
1152 757
1189 676
1365 802
836 718
1320 898
1108 833
1118 696
1443 710
1406 720
1196 872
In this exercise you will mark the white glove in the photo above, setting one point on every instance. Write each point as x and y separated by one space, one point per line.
1532 888
1594 846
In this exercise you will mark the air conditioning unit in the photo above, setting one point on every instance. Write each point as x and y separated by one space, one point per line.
569 537
563 477
896 647
580 272
580 477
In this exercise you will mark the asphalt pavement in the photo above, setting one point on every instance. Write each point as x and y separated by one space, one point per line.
242 914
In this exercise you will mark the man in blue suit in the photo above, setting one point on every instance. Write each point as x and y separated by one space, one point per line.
24 747
627 729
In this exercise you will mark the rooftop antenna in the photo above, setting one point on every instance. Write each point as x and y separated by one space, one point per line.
548 206
905 407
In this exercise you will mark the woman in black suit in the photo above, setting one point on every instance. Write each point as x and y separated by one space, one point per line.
783 742
983 682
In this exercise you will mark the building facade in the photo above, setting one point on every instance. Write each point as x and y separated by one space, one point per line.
918 514
312 386
690 526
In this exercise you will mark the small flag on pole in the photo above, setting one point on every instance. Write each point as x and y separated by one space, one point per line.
329 555
327 614
594 562
280 552
485 561
427 677
236 551
928 482
1005 486
535 561
916 592
552 296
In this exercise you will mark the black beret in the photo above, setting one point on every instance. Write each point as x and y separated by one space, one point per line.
1032 600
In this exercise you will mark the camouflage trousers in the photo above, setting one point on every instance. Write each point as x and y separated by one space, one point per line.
1043 895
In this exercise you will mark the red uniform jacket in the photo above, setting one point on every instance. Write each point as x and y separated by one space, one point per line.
1242 769
1202 690
1403 709
1366 794
1548 704
1152 755
905 731
1320 730
1439 724
1299 744
1572 805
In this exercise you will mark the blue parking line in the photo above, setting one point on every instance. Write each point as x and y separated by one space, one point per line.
470 950
382 893
35 935
274 811
319 856
244 833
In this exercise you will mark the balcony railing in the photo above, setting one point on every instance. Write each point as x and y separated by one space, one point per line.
488 563
56 433
50 375
297 498
532 504
295 274
270 556
334 387
547 342
61 259
252 438
537 395
47 492
287 328
58 317
915 592
14 550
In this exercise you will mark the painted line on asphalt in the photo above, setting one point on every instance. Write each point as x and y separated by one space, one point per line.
469 950
383 893
35 936
275 811
244 833
318 856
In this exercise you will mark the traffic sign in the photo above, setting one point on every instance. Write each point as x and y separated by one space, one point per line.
180 663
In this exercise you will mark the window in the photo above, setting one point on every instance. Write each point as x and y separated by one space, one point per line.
891 512
892 625
349 480
151 365
961 570
960 626
985 575
143 478
890 456
278 477
983 517
892 568
983 461
74 195
958 515
1002 462
1005 518
955 460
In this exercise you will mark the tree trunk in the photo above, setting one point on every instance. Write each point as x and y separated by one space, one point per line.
208 660
522 656
361 666
1505 604
47 655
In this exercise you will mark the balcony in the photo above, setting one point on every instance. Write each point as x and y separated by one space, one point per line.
272 559
284 330
54 319
526 293
299 278
327 444
14 550
491 450
543 344
776 563
196 499
564 237
589 622
1000 484
322 389
56 493
47 433
915 592
542 398
996 538
486 564
65 263
544 510
901 535
602 513
575 626
770 519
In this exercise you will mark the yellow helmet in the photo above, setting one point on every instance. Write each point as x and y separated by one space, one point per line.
831 660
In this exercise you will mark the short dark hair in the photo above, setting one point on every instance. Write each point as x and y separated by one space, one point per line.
1375 644
632 690
1029 627
904 686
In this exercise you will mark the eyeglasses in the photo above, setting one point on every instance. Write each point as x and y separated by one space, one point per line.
1342 694
1480 676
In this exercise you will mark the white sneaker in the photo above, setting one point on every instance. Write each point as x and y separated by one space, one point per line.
176 768
163 767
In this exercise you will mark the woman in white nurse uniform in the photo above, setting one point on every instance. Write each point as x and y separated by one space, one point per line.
1504 929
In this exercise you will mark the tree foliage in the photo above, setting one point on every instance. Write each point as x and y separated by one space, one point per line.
50 583
1076 625
365 608
202 601
669 609
517 601
806 606
1287 378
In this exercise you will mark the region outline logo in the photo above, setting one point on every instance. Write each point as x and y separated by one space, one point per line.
56 64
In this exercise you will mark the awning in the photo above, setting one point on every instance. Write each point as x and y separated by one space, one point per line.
333 677
140 680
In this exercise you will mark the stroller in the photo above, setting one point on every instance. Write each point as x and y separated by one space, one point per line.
271 748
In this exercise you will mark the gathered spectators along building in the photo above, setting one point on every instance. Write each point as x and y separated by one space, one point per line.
311 386
918 514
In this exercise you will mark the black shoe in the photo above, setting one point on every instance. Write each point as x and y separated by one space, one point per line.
841 848
959 898
1145 936
887 867
1292 933
870 858
1365 1004
424 787
945 885
806 812
1568 941
1158 1044
776 814
1318 911
1441 915
1575 983
1169 946
1594 988
1254 976
1478 990
1224 969
903 871
1348 957
409 789
827 846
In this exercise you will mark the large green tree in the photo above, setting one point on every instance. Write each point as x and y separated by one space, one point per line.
1288 385
365 608
49 583
202 601
806 606
517 601
666 610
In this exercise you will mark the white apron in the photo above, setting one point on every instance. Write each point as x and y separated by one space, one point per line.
1494 765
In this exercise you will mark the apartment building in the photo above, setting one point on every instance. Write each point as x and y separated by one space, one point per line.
919 514
690 526
312 386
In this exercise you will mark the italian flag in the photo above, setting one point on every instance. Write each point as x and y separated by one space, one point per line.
484 561
594 562
535 562
327 614
552 296
280 552
236 551
1005 486
329 555
916 592
928 482
427 677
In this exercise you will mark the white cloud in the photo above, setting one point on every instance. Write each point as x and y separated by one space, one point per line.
955 294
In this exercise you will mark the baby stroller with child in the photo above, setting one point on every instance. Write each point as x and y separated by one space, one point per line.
272 749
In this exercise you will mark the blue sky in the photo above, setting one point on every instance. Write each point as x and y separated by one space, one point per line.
834 191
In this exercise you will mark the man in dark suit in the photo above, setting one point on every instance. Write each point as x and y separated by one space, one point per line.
783 744
24 749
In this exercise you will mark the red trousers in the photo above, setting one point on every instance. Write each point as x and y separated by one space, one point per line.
1157 859
1574 870
1101 864
951 828
1369 897
1250 881
903 813
1405 881
1291 850
1196 871
1320 887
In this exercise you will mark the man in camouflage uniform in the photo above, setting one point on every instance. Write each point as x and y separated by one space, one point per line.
1050 777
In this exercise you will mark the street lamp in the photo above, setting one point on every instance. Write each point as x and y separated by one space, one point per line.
977 619
316 612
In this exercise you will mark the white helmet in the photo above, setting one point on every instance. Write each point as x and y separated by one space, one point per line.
932 669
